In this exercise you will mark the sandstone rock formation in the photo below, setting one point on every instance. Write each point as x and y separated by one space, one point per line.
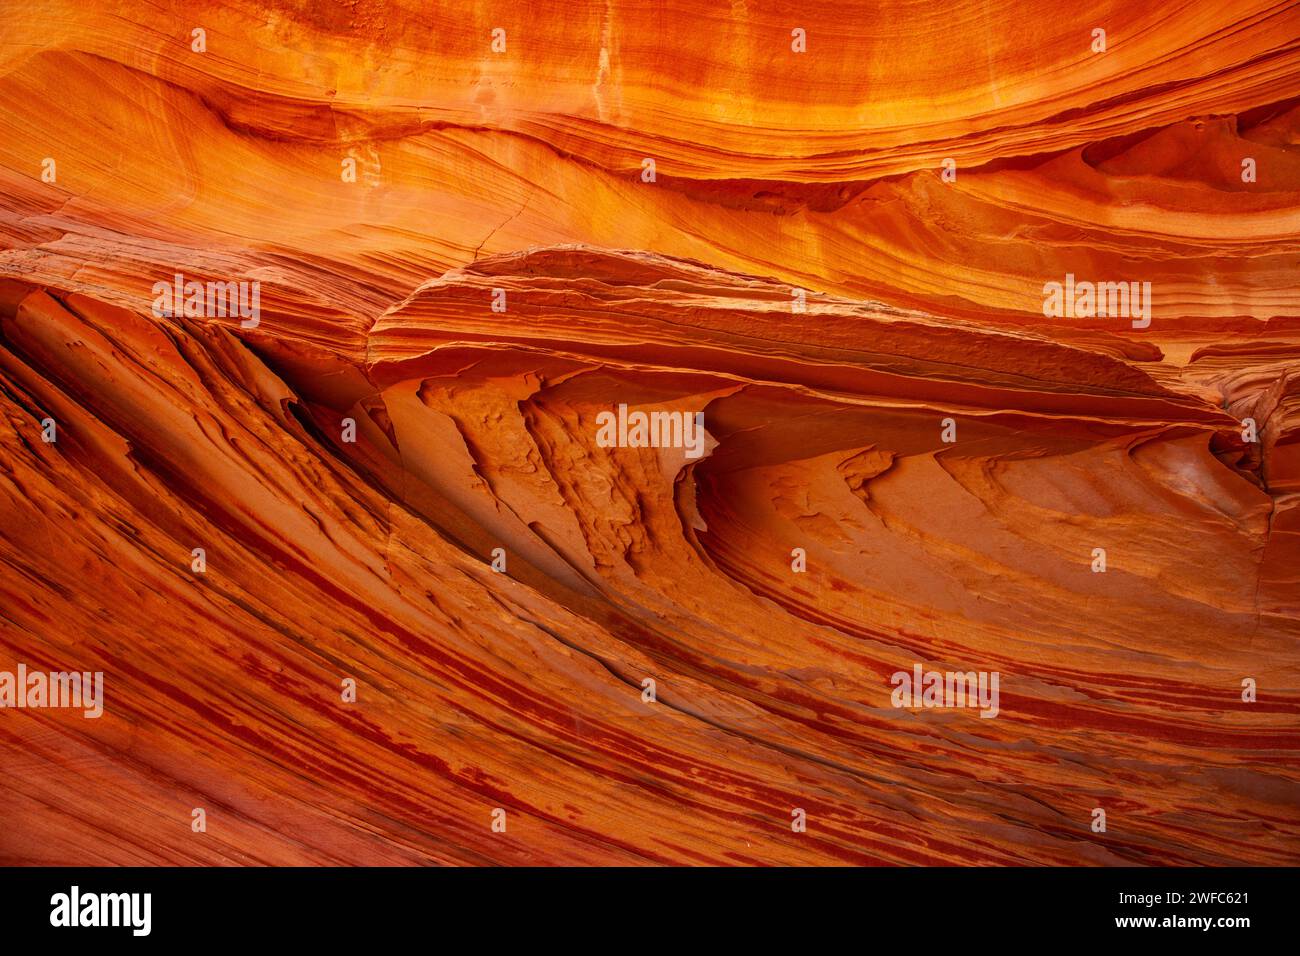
885 400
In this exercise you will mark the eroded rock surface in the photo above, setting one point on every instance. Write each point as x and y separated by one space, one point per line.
802 274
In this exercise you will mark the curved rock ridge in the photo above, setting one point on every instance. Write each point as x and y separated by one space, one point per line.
1067 161
624 504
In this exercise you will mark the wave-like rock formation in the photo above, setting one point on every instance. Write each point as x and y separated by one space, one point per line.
438 617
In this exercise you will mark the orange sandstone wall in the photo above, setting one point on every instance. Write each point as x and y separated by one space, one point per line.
841 256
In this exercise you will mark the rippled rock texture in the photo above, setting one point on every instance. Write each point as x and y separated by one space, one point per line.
566 650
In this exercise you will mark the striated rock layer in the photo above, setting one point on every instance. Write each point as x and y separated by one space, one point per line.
906 462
